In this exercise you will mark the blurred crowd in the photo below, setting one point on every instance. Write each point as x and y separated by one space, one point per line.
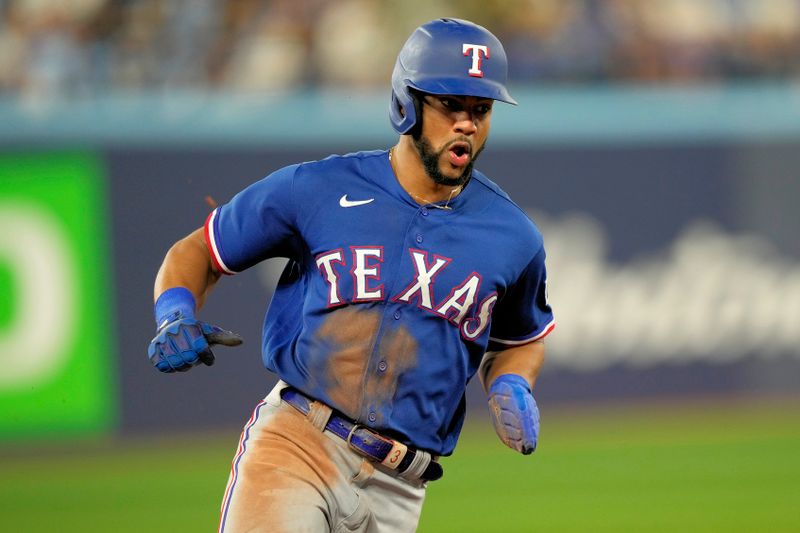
85 47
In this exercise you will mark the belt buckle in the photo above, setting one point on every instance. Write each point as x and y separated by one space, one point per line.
350 438
362 451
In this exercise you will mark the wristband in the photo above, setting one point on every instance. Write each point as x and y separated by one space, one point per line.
512 380
174 303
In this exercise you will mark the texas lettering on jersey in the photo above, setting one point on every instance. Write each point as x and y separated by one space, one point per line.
365 268
386 306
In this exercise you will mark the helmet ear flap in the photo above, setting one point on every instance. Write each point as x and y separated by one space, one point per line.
401 121
416 99
404 120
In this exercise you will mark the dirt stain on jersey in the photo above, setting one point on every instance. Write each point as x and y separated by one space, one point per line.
354 379
396 354
351 334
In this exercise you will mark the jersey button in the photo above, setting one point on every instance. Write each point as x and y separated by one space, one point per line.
424 211
382 366
419 238
372 417
397 315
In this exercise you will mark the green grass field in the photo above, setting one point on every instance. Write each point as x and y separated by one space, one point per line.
689 466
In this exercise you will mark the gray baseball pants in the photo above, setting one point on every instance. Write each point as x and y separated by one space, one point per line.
290 476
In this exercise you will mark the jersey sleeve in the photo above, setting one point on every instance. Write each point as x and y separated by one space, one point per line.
523 315
258 223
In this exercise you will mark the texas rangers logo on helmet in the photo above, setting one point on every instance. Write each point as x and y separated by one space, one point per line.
446 56
476 49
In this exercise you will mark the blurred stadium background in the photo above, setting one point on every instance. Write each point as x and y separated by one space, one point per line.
657 144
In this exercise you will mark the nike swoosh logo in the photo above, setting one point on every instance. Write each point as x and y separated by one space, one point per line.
344 202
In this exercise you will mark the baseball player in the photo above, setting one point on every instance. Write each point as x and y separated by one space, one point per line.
409 272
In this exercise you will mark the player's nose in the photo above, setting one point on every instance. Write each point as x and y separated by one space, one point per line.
465 123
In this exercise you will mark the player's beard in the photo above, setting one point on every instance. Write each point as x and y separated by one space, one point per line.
431 158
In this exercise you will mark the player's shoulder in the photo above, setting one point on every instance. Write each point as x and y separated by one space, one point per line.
503 206
348 161
318 175
315 181
491 188
323 167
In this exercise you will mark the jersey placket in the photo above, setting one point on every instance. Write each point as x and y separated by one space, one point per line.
385 365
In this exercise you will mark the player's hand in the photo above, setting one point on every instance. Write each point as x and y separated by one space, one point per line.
514 412
181 341
185 342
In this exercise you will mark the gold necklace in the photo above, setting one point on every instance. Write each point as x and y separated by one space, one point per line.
436 205
425 201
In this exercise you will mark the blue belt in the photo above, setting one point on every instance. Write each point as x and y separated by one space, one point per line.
363 440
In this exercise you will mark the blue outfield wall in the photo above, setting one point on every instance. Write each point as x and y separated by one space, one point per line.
669 217
673 270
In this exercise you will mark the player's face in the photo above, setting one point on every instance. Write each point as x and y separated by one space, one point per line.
454 132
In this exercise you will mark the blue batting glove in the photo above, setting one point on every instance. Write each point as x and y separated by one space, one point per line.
181 341
514 412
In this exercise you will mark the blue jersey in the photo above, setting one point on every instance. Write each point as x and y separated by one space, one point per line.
386 307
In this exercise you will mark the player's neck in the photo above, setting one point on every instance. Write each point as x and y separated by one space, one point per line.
410 173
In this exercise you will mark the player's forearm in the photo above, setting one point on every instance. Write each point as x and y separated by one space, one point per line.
187 264
525 361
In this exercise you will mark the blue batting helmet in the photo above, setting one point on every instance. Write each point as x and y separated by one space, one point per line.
447 56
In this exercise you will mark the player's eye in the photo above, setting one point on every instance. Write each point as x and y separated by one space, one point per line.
449 104
483 109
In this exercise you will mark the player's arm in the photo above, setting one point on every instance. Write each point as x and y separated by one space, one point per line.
509 376
185 278
188 264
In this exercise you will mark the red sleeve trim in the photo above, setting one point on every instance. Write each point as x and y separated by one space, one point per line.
544 333
211 243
